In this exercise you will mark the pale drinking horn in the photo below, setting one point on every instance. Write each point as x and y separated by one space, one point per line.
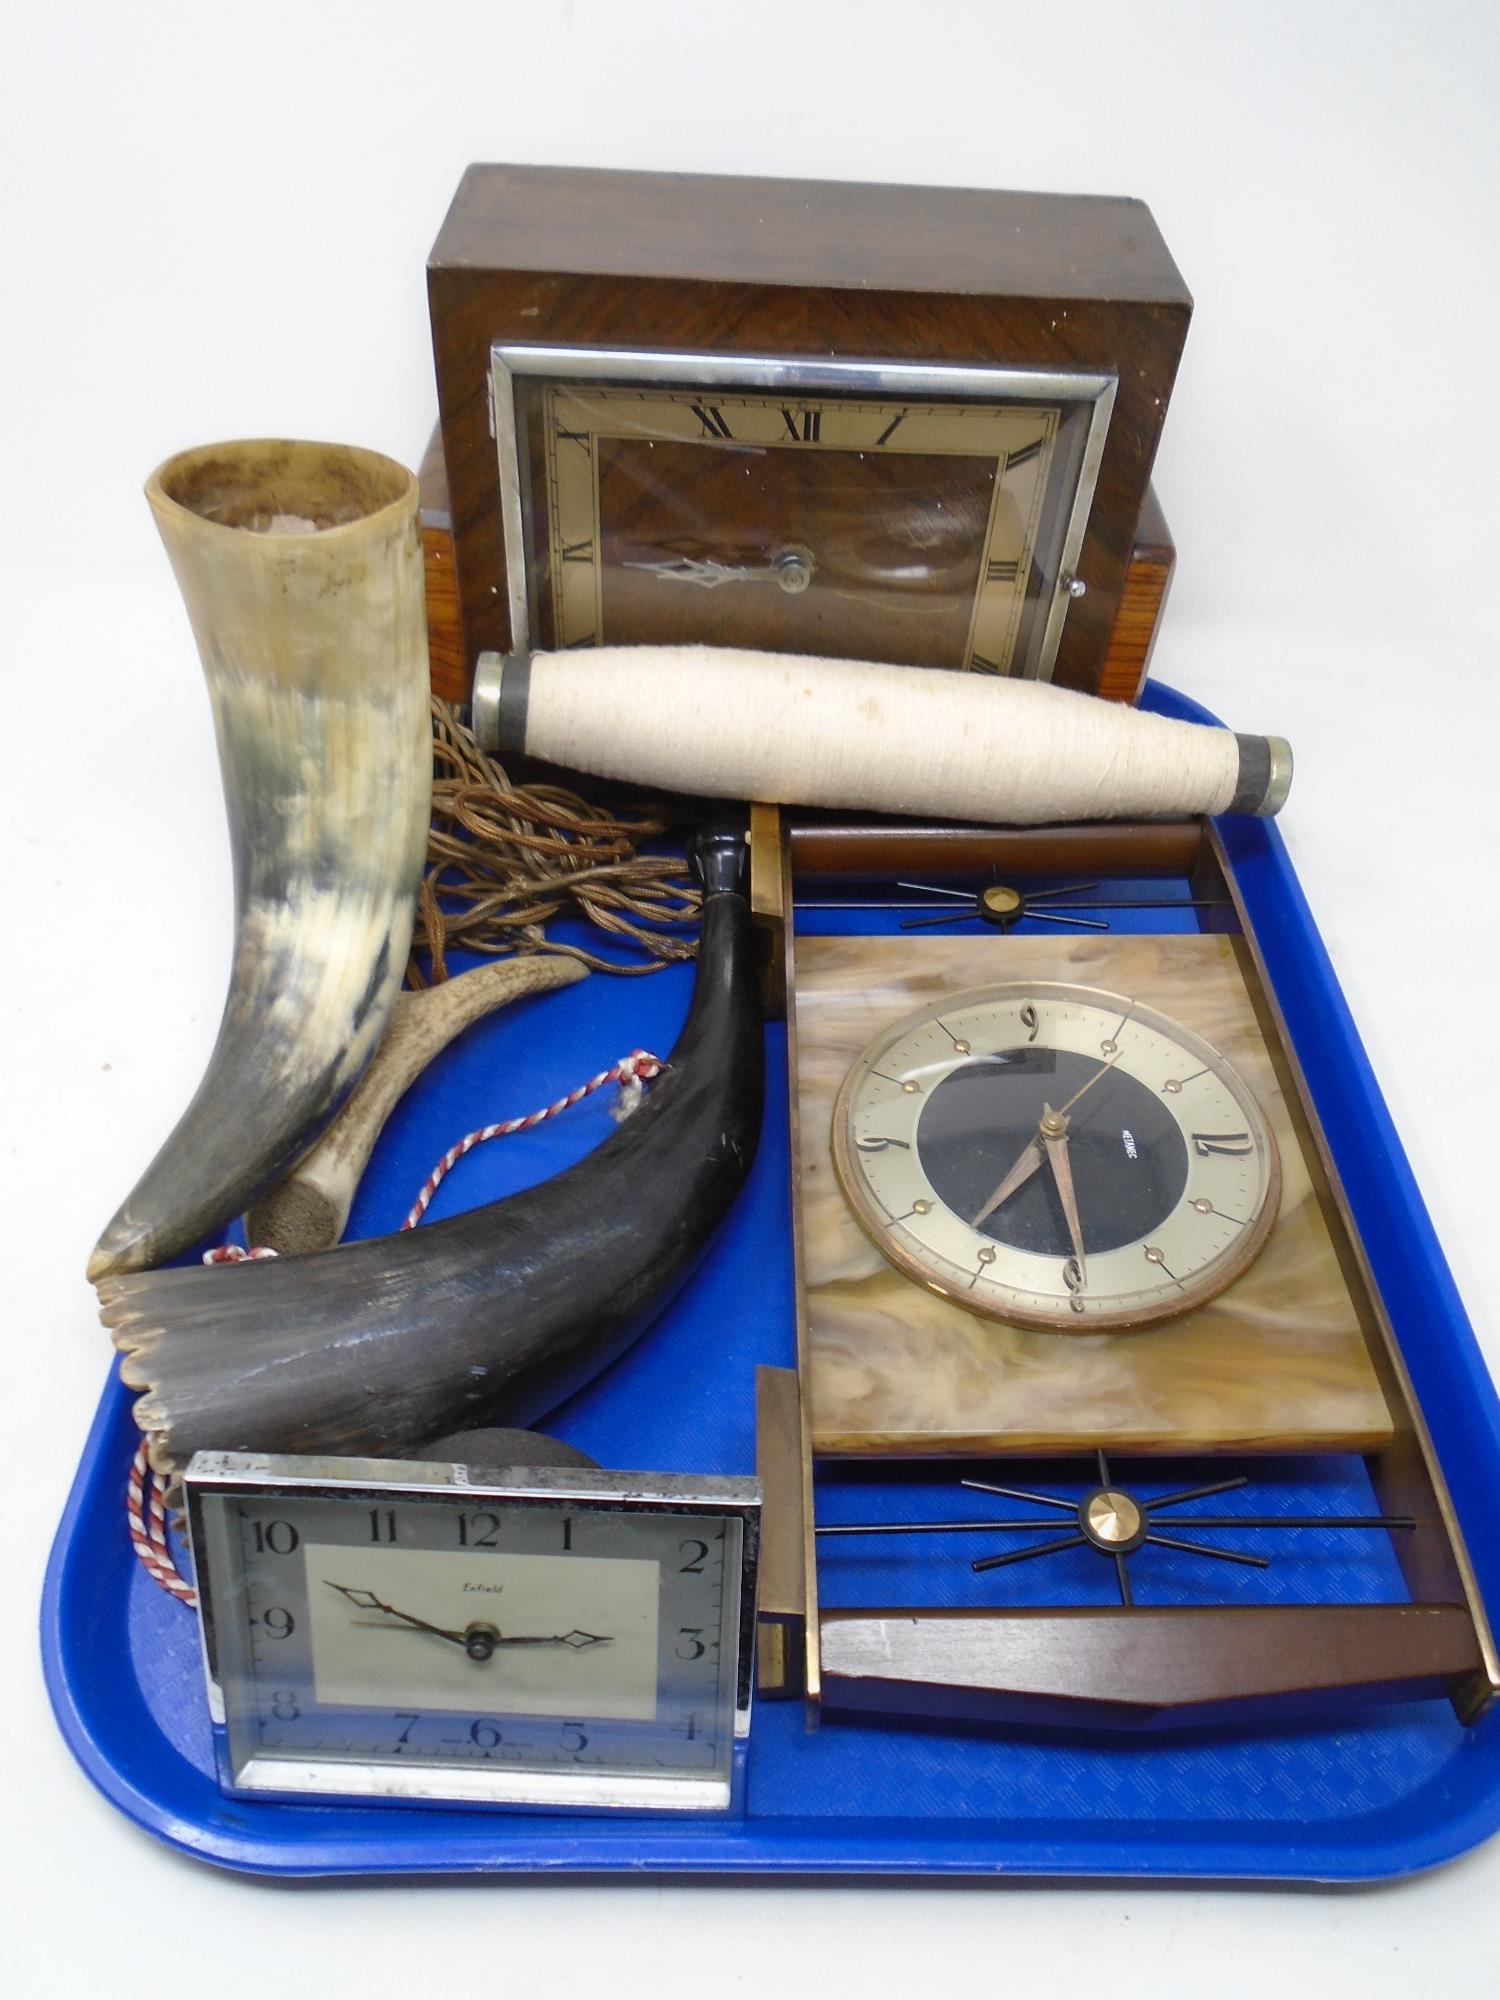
797 731
301 568
488 1318
308 1208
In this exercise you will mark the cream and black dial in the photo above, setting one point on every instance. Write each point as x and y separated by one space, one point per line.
1056 1156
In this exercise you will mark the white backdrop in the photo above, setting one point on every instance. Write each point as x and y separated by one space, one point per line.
214 223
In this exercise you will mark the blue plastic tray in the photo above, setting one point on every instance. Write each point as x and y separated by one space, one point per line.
1379 1793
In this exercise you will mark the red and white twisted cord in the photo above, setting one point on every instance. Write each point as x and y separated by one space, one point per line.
145 1493
631 1072
146 1512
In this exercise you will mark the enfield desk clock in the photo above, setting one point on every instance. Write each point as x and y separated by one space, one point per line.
882 423
546 1637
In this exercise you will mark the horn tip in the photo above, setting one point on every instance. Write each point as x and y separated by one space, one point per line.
124 1246
102 1264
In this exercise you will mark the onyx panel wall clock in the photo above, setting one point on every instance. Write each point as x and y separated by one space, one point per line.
1065 1225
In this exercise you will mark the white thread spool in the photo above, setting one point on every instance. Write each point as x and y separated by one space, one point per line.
794 730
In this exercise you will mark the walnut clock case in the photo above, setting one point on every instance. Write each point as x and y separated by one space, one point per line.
876 422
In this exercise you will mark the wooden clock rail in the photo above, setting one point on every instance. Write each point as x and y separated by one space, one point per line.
1134 1668
784 1469
879 847
1407 1475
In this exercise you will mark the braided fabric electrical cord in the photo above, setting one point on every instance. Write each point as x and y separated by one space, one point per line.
504 860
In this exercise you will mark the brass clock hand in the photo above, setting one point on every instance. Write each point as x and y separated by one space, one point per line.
1103 1070
1019 1174
368 1601
1031 1158
1054 1136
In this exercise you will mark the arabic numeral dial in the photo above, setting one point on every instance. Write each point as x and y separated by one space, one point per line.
1055 1156
447 1636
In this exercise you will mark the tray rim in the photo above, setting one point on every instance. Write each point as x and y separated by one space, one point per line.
1467 1427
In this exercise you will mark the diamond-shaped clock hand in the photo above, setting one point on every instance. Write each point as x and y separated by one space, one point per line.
478 1641
791 569
368 1601
577 1640
706 575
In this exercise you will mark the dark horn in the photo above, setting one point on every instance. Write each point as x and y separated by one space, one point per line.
492 1317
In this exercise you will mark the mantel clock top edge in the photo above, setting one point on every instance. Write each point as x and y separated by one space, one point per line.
826 235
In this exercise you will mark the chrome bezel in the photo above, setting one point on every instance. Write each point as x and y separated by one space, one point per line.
801 375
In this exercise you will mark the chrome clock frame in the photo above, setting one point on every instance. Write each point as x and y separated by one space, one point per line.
260 1476
511 364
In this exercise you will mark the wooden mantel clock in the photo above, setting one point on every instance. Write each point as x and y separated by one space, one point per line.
888 423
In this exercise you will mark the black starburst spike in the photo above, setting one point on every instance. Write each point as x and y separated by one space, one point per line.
1118 1523
1002 907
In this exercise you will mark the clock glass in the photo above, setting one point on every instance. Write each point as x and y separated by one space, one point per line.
1056 1156
408 1631
924 515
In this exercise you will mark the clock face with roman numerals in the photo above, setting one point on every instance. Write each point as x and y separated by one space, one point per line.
925 516
1056 1156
